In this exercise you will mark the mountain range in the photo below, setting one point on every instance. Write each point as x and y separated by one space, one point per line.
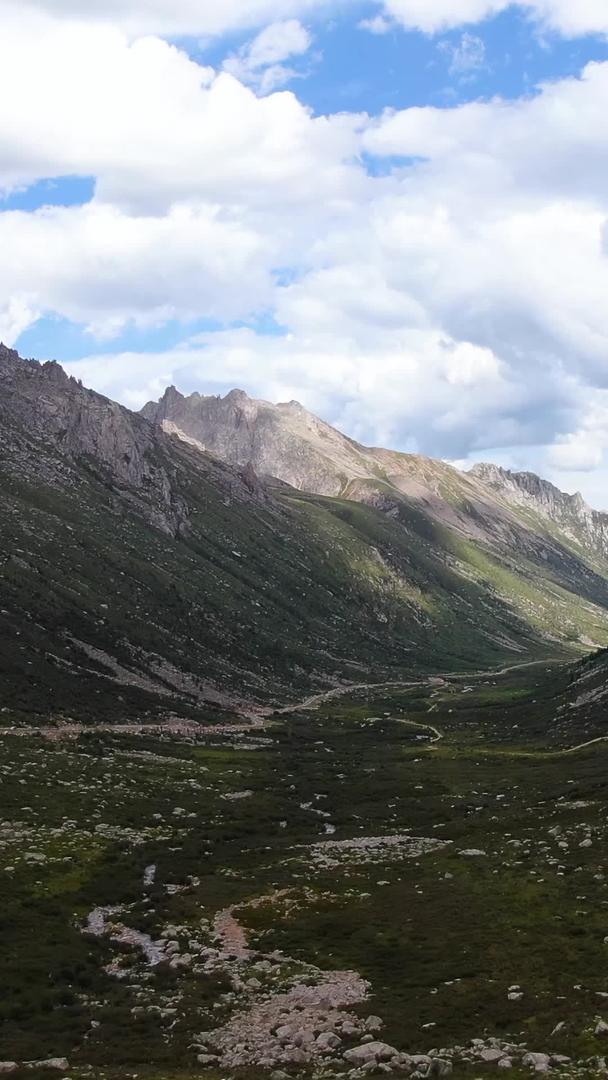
288 442
211 555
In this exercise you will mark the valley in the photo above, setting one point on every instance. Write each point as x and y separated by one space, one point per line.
296 780
341 864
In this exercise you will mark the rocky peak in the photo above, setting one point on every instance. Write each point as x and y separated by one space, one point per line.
55 409
571 512
283 440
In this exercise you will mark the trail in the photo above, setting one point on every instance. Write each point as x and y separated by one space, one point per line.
437 734
581 746
258 721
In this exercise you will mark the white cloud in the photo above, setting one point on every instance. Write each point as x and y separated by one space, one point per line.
377 24
161 129
454 305
261 62
569 17
15 317
209 18
379 393
166 18
98 266
584 450
466 57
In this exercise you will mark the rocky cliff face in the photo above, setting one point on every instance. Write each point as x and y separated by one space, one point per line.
487 505
284 441
577 520
41 403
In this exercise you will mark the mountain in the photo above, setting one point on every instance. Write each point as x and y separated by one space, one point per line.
282 440
533 530
142 577
288 442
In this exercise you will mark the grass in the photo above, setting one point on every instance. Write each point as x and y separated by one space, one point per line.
441 937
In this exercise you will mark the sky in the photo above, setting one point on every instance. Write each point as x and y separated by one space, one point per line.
393 211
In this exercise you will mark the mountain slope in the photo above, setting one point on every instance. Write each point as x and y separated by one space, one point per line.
540 500
512 548
487 504
142 577
139 577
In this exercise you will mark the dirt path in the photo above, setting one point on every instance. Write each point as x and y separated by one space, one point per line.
253 721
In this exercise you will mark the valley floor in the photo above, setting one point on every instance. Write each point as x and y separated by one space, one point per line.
402 878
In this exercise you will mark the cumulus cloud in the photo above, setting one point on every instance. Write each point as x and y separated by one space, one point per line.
166 18
454 304
331 375
175 18
98 266
261 62
568 17
161 129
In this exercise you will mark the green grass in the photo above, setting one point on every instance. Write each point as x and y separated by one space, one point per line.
437 949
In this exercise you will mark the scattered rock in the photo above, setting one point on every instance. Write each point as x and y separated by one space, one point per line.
491 1056
59 1063
372 1051
539 1062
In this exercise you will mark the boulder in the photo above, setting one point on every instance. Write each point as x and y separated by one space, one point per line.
441 1067
303 1037
539 1062
328 1040
371 1051
285 1032
59 1063
491 1057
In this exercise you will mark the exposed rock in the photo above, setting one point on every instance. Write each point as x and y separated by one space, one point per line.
539 1062
58 1063
328 1040
441 1067
491 1056
372 1051
568 511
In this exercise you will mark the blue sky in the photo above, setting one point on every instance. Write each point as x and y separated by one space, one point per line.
352 69
395 212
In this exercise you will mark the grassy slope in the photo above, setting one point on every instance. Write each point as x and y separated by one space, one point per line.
264 596
264 599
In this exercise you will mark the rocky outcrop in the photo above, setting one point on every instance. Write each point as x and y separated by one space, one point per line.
118 446
570 513
284 441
